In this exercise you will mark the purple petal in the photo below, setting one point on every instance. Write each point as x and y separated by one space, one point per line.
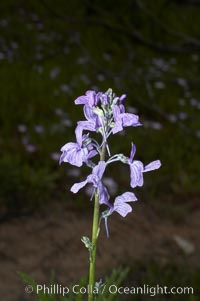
116 112
122 108
120 205
78 133
91 96
104 99
75 157
123 119
87 125
122 97
117 128
99 169
136 169
68 146
123 209
118 120
133 151
92 154
89 114
62 158
152 166
130 119
89 99
125 197
98 96
77 186
103 194
72 154
81 100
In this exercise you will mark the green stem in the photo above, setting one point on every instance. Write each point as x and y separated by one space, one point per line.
94 244
95 232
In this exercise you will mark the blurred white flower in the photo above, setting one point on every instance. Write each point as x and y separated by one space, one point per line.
161 64
195 57
59 112
111 184
22 128
193 102
198 134
89 190
159 85
14 45
39 129
66 122
54 72
132 110
64 88
40 26
25 140
84 79
82 60
182 82
74 172
3 23
107 56
182 115
153 124
172 118
55 156
100 77
30 148
2 55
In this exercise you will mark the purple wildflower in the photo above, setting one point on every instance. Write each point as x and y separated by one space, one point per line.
105 114
137 168
120 101
120 204
78 152
91 99
95 122
95 179
105 100
122 119
92 123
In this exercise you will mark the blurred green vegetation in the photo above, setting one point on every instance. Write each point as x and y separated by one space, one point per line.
116 277
50 54
154 273
149 277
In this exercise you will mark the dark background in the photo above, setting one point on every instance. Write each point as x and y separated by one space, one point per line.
52 52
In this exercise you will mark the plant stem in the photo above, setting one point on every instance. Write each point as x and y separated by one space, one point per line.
94 244
95 232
